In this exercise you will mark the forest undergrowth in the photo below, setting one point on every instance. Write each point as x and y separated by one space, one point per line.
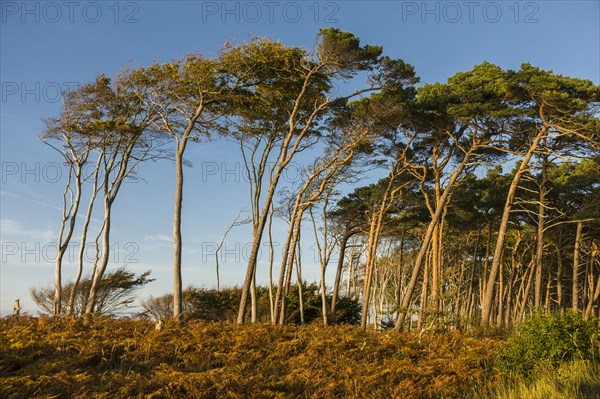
128 358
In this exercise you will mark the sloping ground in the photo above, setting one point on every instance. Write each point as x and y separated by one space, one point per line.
114 358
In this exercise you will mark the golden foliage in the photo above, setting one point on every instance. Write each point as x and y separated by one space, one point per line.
121 358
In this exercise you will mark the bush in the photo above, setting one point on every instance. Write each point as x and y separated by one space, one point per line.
546 341
222 305
116 293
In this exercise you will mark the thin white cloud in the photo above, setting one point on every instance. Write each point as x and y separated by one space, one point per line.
13 230
158 238
43 203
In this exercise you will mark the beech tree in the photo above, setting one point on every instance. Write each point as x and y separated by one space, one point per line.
190 97
104 119
127 138
301 94
75 150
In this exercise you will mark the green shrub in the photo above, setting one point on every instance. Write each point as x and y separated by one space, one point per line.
222 305
347 310
545 340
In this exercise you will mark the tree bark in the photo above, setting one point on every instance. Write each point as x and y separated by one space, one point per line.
576 254
178 201
177 245
426 242
539 252
84 232
489 293
338 273
593 299
559 272
63 244
91 302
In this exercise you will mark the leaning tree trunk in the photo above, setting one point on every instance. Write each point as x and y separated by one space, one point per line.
338 273
285 157
291 238
593 296
440 206
289 267
110 194
256 240
84 232
91 302
370 265
495 268
300 284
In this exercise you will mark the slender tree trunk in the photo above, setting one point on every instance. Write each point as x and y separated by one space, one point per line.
486 263
489 293
60 248
457 310
63 245
289 253
289 266
548 291
426 242
576 254
539 252
593 297
253 301
349 279
285 157
324 256
338 273
501 293
256 240
118 163
400 274
520 291
559 272
271 259
435 272
525 298
84 232
509 298
424 287
284 263
471 292
97 276
300 283
369 266
440 207
323 295
177 245
588 283
177 281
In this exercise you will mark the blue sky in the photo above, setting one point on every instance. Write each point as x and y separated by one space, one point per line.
45 46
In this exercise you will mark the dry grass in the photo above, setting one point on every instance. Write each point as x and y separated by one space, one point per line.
117 358
576 380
